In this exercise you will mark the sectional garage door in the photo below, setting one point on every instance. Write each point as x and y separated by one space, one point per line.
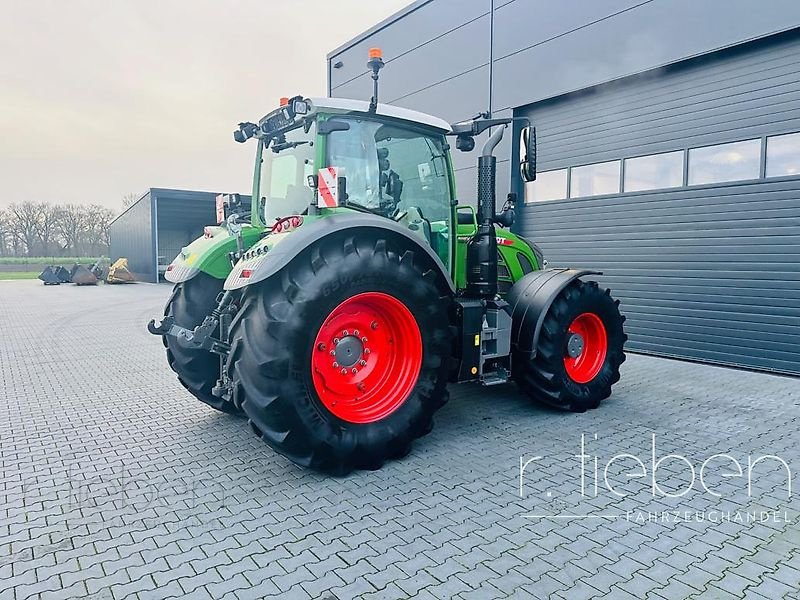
698 231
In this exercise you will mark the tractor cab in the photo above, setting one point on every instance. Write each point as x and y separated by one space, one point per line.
320 156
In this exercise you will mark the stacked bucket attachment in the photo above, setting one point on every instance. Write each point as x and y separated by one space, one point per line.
119 272
83 275
64 276
50 276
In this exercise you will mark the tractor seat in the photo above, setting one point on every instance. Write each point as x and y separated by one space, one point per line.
465 218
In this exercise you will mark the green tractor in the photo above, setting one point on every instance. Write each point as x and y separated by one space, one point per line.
334 309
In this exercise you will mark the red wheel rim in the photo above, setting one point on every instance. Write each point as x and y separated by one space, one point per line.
366 357
587 364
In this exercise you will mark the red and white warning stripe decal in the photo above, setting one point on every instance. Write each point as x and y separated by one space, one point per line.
328 182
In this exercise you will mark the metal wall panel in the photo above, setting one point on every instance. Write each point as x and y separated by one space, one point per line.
423 27
752 91
132 238
457 89
544 56
523 23
704 272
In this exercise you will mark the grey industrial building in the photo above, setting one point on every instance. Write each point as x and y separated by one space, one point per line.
669 152
152 230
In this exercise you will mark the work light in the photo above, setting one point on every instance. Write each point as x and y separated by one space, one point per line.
300 107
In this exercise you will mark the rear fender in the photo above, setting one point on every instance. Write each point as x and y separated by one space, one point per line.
209 254
530 299
274 257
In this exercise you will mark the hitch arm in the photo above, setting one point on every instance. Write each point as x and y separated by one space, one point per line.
199 337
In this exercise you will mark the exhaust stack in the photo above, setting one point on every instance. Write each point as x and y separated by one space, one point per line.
482 248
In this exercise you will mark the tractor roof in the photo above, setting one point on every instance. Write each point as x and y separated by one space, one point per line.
345 105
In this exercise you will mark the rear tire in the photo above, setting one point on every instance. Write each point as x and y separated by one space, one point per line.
557 379
282 369
198 370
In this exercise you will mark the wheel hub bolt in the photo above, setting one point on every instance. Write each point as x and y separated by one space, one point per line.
363 340
332 353
363 363
344 371
344 333
335 340
355 371
575 345
366 350
355 333
335 365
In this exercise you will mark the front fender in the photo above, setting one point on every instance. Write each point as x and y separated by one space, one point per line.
530 299
269 259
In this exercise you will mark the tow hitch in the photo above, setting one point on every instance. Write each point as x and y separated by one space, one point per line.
199 337
202 336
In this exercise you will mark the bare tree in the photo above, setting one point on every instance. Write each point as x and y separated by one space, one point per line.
46 227
5 234
24 220
43 229
130 198
99 219
10 243
72 225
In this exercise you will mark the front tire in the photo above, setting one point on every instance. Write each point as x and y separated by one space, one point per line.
579 351
340 360
197 369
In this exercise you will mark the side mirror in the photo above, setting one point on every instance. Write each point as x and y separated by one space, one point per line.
527 153
505 218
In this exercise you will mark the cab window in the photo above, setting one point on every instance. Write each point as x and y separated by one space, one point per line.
284 175
400 173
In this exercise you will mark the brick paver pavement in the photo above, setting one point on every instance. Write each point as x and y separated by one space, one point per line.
116 483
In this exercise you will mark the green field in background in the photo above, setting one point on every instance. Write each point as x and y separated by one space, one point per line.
18 275
47 260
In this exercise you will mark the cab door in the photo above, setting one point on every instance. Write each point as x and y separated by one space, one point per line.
400 172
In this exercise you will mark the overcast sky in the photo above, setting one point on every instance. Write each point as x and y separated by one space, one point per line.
101 98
